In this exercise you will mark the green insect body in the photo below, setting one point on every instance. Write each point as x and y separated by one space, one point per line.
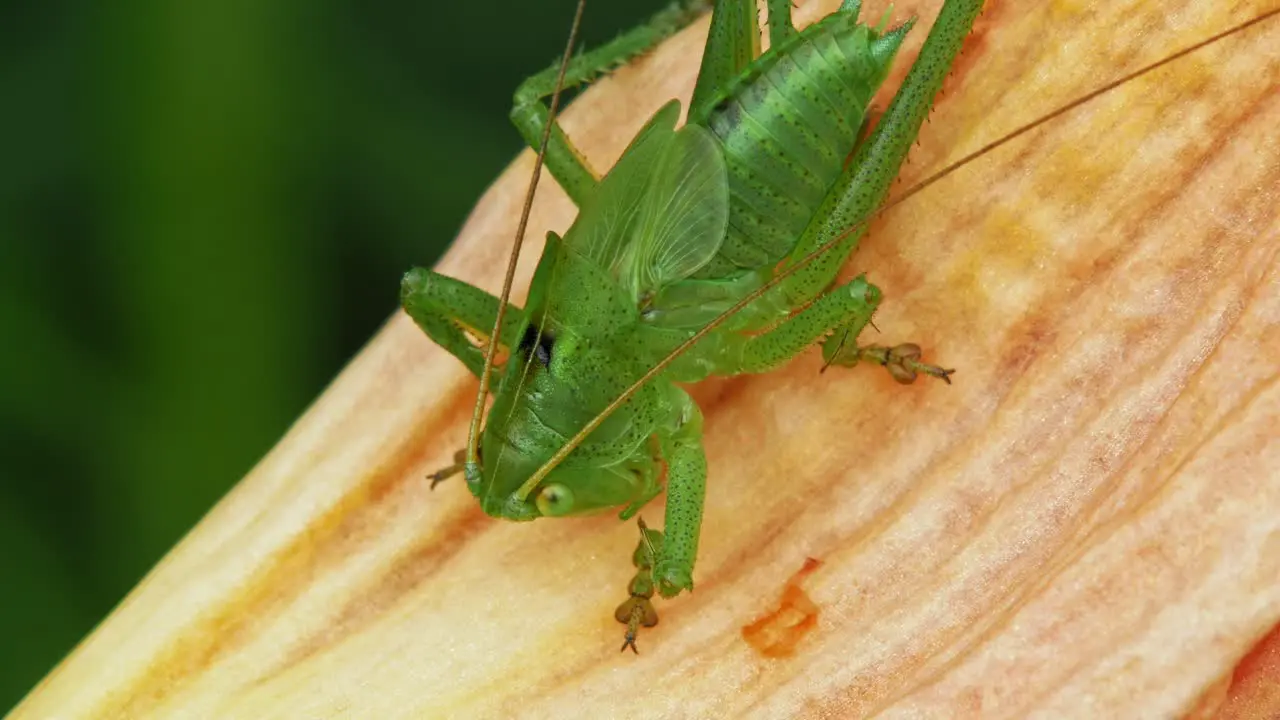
771 164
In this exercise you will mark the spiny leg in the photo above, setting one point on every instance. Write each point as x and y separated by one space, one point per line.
864 185
530 115
866 182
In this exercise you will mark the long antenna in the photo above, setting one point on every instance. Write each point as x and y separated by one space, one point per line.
684 347
472 463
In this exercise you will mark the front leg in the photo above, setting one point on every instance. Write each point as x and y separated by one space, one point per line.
447 309
664 560
686 490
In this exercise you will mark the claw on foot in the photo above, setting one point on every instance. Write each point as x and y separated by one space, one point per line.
637 610
902 361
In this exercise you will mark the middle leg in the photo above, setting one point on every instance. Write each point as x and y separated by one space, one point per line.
844 311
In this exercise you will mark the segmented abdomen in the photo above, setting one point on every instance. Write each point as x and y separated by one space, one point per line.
786 127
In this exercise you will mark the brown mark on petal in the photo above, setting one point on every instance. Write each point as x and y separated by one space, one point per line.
778 633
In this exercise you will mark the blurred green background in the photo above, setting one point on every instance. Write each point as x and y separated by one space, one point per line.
205 208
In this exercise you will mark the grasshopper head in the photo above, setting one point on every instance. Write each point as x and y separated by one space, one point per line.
576 487
537 408
557 377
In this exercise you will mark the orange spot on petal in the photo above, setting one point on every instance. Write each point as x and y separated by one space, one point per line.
778 633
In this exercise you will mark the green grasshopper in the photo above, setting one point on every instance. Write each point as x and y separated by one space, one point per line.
708 250
772 165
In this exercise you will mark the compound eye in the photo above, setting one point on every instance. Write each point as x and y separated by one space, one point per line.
555 499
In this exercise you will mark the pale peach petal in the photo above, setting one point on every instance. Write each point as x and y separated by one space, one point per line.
1086 524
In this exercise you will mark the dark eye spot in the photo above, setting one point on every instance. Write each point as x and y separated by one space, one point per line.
535 344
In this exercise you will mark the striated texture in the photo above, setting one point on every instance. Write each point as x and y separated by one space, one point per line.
1086 524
